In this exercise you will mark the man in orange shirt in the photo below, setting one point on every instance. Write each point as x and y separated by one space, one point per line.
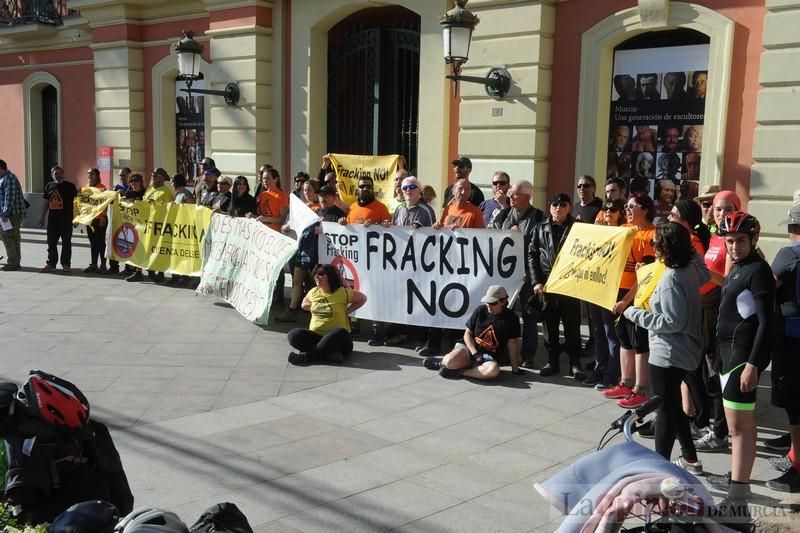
273 204
367 210
460 213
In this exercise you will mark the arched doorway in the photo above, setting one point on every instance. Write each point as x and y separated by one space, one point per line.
373 83
42 107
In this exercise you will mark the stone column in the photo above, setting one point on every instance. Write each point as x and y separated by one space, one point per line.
119 101
774 175
240 42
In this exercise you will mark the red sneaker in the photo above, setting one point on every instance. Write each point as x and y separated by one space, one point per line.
636 399
618 391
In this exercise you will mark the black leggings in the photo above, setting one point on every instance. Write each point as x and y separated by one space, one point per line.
317 346
97 242
671 421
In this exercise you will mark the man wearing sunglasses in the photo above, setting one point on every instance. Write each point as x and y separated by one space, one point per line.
548 238
368 209
523 217
492 334
413 211
499 201
588 207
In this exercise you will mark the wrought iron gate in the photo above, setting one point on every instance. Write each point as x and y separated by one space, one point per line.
49 132
373 92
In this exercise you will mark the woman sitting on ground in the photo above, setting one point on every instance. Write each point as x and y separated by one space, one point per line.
328 335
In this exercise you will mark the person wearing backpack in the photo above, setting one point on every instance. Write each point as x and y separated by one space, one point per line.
786 356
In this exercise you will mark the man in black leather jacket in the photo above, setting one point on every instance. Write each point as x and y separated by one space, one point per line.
521 216
548 238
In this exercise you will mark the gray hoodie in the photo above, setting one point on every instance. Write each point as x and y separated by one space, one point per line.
673 323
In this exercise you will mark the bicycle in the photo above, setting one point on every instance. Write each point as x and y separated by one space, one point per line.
612 487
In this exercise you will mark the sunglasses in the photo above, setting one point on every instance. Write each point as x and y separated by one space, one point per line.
585 185
365 187
411 187
500 183
500 301
631 206
707 205
611 209
320 274
559 204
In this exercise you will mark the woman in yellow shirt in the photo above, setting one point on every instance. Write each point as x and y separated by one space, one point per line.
328 334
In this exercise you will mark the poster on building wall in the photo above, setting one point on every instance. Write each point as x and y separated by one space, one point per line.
658 99
190 130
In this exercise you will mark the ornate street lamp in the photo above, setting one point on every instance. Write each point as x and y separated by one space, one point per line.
457 27
189 52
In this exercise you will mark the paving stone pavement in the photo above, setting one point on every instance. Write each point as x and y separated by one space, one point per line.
204 408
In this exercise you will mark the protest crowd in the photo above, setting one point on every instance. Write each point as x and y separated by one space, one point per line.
717 317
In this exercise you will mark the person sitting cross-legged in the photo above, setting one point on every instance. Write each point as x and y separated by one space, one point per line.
328 335
493 333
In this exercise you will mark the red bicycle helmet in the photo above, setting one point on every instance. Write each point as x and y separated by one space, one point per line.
739 222
55 401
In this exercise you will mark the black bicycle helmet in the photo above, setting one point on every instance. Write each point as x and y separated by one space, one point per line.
87 517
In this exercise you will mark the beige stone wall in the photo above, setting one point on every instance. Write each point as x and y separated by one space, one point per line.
776 172
119 101
509 134
241 136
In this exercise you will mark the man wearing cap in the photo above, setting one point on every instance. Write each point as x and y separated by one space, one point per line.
548 238
158 190
492 334
706 201
462 167
208 190
785 362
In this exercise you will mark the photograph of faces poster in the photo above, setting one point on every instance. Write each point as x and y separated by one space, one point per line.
190 130
658 102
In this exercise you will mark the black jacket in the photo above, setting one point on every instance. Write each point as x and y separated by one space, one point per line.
527 223
543 250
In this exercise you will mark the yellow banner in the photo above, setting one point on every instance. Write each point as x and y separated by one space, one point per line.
647 278
590 264
91 203
380 168
161 237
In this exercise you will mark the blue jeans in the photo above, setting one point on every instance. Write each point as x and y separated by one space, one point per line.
606 345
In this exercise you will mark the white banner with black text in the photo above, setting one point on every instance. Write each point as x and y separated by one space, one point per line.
422 277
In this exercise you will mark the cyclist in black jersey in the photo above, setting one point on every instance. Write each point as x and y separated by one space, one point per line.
743 332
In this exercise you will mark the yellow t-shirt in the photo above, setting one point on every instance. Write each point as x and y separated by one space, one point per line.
329 310
161 194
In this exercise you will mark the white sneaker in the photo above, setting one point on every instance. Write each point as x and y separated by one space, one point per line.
695 469
699 433
710 443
